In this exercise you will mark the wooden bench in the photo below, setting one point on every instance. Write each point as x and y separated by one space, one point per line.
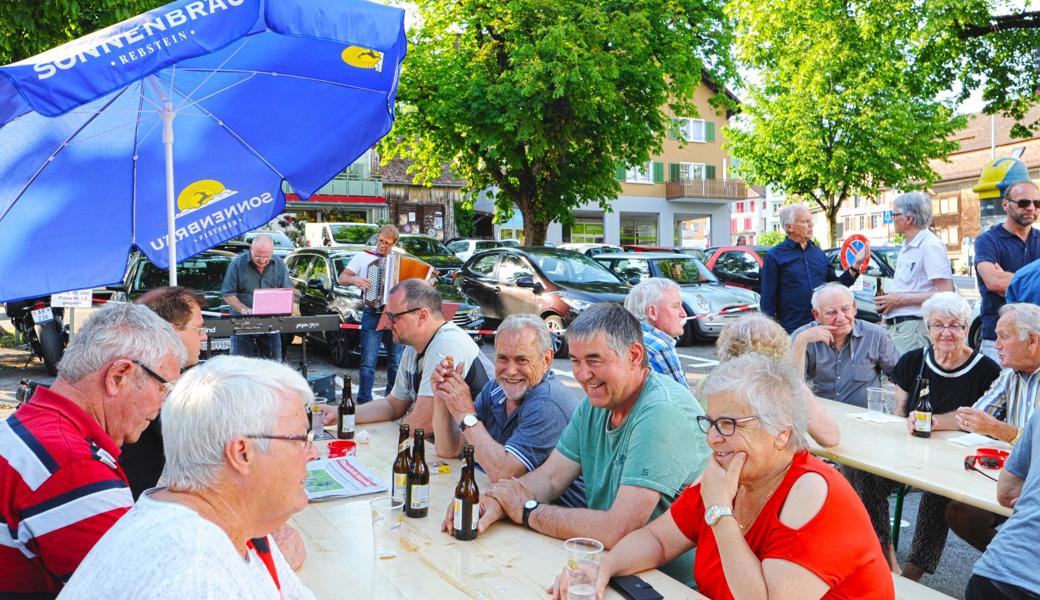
911 590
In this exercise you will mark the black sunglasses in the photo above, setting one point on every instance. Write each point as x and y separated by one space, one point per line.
1023 204
394 316
969 465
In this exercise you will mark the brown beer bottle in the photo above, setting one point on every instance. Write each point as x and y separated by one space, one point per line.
879 289
923 412
417 494
347 408
467 500
399 480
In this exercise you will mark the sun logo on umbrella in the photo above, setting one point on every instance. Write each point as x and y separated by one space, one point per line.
363 58
201 193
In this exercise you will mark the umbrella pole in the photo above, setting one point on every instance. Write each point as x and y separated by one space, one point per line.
167 115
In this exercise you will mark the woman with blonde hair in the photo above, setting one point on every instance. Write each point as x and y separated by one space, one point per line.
756 333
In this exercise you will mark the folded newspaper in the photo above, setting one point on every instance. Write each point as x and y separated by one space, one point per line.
341 478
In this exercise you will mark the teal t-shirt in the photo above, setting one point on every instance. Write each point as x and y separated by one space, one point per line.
658 447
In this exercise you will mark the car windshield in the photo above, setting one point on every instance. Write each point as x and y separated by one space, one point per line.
340 262
204 273
890 254
685 271
571 268
353 233
424 247
280 239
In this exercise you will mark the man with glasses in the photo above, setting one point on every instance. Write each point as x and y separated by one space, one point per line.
923 269
413 311
1004 410
258 268
61 487
1006 247
237 449
357 274
843 355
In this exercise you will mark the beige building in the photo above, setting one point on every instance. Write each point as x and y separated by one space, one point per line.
682 197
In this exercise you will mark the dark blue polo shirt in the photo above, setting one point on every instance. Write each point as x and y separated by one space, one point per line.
242 277
1001 247
789 275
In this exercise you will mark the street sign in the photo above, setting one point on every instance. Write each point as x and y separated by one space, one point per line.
850 248
887 217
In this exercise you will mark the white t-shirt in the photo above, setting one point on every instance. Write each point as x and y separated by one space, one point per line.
165 550
450 340
359 263
921 260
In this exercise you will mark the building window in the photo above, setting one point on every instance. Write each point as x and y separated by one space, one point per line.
862 222
639 229
740 207
691 130
691 170
588 230
873 221
640 174
747 224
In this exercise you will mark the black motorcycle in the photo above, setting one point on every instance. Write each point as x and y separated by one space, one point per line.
41 329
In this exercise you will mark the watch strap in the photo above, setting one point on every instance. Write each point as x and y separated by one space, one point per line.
527 514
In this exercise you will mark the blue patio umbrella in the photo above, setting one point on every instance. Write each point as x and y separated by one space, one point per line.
174 131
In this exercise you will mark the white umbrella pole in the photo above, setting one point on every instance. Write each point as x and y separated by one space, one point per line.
167 115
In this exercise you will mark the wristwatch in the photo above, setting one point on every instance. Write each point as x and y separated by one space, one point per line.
529 507
715 512
468 421
1018 436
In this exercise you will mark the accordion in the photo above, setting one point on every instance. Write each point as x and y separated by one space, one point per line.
387 271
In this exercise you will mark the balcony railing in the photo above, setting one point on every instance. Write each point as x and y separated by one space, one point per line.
725 189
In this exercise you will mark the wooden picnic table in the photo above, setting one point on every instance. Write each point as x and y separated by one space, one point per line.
932 464
508 561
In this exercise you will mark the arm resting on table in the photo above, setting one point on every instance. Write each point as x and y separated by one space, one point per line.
387 408
630 511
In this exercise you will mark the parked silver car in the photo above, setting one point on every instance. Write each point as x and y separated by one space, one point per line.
703 295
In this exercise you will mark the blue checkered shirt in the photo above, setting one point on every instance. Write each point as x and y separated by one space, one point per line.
660 349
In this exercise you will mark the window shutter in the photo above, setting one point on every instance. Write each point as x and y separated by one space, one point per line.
620 173
658 172
709 171
673 171
709 132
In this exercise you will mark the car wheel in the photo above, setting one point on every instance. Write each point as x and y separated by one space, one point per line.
555 325
339 348
975 334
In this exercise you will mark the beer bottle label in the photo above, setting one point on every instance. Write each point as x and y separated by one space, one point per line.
420 496
347 424
922 421
400 483
474 515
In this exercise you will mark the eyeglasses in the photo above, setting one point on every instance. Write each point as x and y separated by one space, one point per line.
896 214
726 426
167 386
397 315
953 327
1024 203
199 331
307 439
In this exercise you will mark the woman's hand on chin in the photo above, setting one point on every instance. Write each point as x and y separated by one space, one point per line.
719 484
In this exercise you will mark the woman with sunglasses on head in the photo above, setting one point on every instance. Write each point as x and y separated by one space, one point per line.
767 518
957 376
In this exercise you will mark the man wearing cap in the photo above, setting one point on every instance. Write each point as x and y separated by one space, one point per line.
1009 246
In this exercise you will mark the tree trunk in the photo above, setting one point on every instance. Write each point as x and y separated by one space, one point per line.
832 225
534 233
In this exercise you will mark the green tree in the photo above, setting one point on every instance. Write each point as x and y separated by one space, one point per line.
770 238
30 27
543 99
845 105
464 220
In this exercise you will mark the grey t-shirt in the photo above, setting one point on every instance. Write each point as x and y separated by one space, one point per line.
1012 555
415 370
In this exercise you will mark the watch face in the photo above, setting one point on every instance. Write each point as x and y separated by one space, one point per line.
469 420
530 504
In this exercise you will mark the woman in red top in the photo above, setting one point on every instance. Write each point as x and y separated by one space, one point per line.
768 519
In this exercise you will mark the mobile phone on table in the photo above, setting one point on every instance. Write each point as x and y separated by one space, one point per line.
634 588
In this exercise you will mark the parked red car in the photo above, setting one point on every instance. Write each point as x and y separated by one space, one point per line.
738 266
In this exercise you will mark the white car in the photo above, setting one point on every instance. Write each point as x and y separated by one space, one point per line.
464 249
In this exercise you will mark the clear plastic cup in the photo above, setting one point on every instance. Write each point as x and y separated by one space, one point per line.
876 401
387 516
583 558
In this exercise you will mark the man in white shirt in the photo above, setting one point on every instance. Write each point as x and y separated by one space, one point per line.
357 274
923 269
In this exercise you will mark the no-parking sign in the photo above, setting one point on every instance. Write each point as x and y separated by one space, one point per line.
851 247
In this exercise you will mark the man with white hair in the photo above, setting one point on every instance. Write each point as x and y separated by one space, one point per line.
923 269
61 488
658 306
795 267
518 417
1004 410
843 355
237 448
256 268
